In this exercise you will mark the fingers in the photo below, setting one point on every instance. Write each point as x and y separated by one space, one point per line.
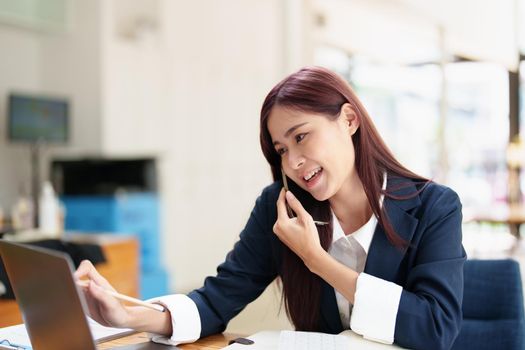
297 207
87 270
98 293
281 205
105 307
83 269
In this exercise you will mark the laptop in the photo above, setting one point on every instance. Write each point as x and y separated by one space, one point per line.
53 308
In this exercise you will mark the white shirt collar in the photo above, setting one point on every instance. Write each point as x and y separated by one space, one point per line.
362 235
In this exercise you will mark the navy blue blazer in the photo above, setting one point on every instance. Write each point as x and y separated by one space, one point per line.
430 270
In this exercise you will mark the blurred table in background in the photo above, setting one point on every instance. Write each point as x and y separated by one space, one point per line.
121 269
511 215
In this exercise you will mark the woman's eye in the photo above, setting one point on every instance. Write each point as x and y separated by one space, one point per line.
280 151
299 137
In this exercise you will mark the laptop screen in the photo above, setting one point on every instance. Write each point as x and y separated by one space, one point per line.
51 305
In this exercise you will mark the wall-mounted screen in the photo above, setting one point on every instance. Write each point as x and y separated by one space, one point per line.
37 119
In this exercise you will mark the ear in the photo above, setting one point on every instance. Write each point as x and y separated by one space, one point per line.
350 118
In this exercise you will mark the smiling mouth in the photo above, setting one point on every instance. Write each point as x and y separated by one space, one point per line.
312 175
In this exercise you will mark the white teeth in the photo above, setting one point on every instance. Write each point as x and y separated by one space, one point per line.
311 174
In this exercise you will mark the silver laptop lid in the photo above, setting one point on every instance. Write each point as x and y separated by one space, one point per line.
50 302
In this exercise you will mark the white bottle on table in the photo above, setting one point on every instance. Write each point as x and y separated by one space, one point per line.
22 214
48 211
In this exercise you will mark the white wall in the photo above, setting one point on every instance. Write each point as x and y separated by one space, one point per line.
135 80
189 91
219 76
70 65
19 71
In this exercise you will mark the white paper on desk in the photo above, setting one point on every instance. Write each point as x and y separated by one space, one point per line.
102 333
290 340
270 340
18 334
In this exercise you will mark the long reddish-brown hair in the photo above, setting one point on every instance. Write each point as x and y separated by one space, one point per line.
320 91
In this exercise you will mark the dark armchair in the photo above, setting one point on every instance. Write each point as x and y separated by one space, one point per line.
493 316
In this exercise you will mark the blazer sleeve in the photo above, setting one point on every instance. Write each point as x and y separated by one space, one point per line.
247 270
429 315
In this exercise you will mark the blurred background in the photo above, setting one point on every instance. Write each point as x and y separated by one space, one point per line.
141 116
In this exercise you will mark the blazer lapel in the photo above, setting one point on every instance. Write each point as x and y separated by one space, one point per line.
383 258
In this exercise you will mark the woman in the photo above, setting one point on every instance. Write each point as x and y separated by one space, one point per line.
384 256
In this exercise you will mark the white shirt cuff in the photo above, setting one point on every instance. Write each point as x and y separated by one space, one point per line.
185 320
375 308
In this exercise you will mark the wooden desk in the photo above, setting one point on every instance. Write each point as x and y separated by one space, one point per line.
217 341
121 269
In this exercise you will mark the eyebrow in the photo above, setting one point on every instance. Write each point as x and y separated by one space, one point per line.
289 131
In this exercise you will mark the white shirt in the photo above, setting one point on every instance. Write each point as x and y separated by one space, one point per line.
185 320
376 301
350 251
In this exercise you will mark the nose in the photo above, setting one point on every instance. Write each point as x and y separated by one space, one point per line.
295 159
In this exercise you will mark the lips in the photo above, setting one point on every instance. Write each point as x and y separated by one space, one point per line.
311 174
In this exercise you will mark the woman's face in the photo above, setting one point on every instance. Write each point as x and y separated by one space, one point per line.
316 152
